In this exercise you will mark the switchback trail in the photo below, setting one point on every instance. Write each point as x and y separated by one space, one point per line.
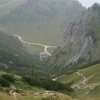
46 47
84 82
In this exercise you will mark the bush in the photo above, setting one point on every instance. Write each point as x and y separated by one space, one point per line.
6 80
4 83
8 77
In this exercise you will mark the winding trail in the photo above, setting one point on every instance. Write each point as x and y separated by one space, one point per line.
80 74
84 82
85 79
46 47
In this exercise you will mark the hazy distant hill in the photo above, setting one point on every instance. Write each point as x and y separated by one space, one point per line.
6 6
41 20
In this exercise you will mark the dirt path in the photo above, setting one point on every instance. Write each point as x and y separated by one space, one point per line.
46 47
80 74
85 79
84 82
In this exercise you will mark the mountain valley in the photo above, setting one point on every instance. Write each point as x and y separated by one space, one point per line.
49 50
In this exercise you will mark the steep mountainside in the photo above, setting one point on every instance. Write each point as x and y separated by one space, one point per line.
79 45
41 20
13 56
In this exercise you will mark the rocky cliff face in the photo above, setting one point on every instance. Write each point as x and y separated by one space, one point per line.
77 47
77 42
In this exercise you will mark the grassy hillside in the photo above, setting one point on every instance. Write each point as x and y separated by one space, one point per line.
90 90
13 55
14 82
15 58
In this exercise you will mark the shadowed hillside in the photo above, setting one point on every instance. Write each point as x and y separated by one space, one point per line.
13 56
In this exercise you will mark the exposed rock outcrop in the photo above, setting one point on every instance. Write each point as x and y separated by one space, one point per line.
77 42
77 47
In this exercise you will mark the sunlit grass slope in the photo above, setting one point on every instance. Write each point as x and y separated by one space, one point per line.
84 93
